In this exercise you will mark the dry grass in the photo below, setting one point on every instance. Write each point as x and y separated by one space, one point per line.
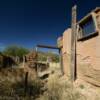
12 85
60 90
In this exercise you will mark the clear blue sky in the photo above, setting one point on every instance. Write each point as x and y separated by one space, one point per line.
31 22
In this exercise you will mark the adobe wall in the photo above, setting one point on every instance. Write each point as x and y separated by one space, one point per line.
88 55
88 58
66 51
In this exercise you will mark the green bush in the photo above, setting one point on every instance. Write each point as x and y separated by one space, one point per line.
15 51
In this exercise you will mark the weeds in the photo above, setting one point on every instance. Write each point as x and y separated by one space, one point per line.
59 90
12 85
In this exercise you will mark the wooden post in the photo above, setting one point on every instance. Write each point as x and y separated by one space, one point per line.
73 43
36 61
23 61
26 83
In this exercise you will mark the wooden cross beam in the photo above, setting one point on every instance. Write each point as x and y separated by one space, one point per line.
46 46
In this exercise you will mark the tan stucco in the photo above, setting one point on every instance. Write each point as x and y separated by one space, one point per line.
88 58
65 48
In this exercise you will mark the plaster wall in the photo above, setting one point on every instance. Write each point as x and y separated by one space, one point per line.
66 51
88 58
88 55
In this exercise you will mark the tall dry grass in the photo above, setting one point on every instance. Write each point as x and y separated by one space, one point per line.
61 90
12 85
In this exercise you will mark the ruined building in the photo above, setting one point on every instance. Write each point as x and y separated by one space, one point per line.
87 49
6 61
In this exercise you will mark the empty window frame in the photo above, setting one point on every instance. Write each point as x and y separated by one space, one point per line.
87 28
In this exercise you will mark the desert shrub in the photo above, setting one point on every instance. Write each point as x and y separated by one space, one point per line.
17 89
59 90
12 85
33 88
5 88
16 51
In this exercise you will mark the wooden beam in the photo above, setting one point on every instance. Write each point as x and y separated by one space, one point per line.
46 46
73 43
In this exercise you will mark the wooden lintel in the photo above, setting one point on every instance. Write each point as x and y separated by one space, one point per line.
46 46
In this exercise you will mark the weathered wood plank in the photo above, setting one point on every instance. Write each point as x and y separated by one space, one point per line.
73 43
46 46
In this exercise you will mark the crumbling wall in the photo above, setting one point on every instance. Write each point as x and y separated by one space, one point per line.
6 61
31 59
66 51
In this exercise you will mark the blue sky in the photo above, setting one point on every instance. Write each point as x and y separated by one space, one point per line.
31 22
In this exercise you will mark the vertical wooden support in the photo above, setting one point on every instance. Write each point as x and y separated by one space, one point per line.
36 69
26 83
73 44
23 61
